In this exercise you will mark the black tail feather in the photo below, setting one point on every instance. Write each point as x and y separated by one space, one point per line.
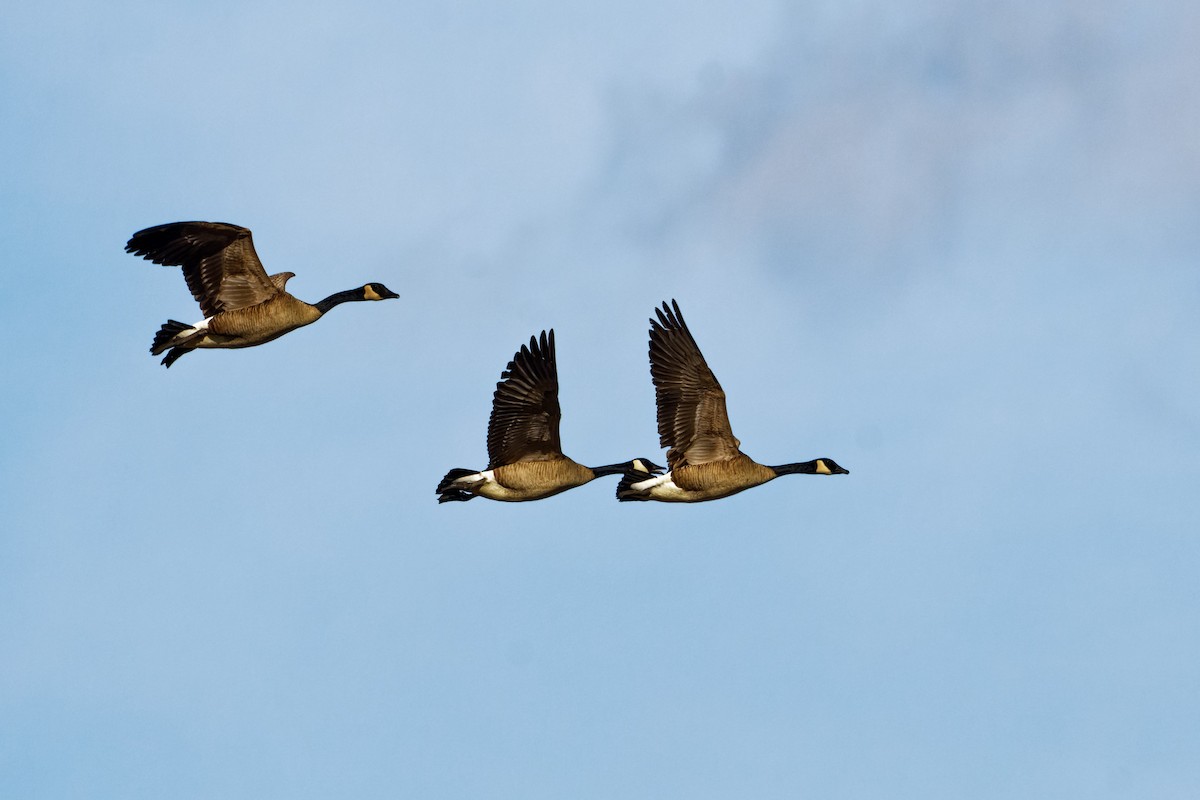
173 355
447 489
452 476
162 339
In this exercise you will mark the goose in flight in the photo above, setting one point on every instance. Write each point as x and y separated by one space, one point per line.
525 458
703 459
242 305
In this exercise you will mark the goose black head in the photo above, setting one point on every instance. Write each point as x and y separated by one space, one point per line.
827 466
377 291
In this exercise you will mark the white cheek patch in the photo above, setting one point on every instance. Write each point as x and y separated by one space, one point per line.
822 469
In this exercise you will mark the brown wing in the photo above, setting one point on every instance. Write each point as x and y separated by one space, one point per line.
218 259
525 412
692 421
279 280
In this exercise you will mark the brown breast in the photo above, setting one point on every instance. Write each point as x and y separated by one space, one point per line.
266 320
559 473
720 478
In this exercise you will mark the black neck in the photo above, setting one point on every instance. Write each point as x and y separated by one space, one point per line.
611 469
802 468
338 299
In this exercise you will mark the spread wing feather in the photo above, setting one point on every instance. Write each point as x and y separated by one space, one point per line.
692 421
525 411
219 263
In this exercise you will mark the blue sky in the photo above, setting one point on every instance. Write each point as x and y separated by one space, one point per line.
951 245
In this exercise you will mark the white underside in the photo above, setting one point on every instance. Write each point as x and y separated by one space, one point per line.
475 481
484 484
478 482
199 327
660 487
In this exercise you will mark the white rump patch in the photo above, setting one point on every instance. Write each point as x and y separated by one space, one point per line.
474 480
662 487
652 482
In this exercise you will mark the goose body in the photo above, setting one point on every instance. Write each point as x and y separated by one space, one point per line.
525 458
242 305
704 461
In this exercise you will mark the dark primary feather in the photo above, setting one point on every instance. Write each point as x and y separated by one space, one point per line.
692 421
525 412
219 263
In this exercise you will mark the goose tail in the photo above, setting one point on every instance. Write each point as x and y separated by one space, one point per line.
173 336
173 355
448 490
167 334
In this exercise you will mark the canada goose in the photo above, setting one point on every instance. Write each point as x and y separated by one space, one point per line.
242 305
525 458
703 458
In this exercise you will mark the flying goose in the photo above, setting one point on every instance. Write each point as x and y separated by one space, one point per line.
525 458
703 458
242 305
